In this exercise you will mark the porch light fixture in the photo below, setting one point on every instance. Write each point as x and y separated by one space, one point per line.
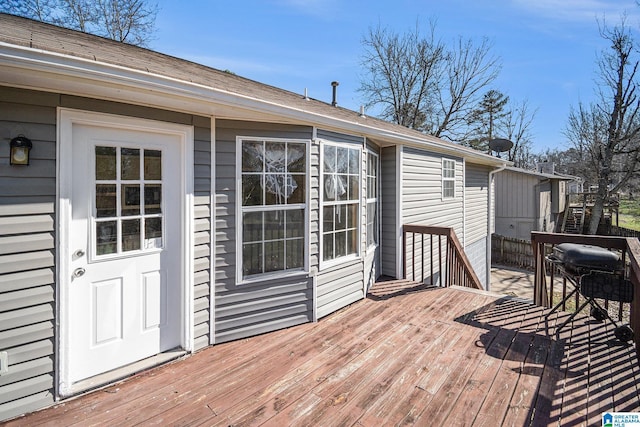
20 147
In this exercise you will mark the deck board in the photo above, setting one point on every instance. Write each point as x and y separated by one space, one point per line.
407 355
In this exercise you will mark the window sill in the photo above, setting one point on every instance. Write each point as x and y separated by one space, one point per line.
327 265
271 277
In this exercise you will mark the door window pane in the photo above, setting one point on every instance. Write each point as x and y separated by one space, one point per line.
152 198
106 237
130 199
106 200
130 163
130 235
152 165
153 228
105 163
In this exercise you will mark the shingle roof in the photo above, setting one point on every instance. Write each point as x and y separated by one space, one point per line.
49 38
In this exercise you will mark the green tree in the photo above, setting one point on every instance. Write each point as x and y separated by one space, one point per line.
486 119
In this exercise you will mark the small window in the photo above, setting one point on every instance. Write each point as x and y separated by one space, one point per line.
273 203
341 201
448 179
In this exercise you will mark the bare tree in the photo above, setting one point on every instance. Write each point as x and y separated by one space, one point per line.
129 21
470 69
608 130
403 74
517 128
422 84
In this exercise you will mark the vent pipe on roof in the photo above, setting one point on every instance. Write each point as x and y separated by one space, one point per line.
306 94
362 111
334 102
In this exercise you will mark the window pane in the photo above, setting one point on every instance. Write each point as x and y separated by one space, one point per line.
278 189
354 161
341 243
354 187
327 246
252 190
330 188
352 215
252 156
152 164
130 163
105 200
342 182
153 229
299 193
275 157
448 189
106 163
329 158
341 217
296 154
295 254
130 199
352 242
342 160
130 235
295 223
327 218
274 225
152 198
106 237
252 227
274 256
252 259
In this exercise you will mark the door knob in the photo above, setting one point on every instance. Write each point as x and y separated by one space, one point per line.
78 272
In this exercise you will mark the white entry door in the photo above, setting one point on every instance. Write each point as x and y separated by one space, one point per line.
125 272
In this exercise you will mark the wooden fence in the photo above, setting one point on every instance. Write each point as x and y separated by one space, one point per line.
510 251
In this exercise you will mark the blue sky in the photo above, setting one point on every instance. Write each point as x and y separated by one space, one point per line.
547 48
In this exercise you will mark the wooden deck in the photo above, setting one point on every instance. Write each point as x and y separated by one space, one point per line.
409 356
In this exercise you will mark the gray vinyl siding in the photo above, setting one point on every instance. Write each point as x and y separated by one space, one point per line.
27 252
422 203
27 239
342 284
202 232
516 204
389 220
476 202
477 254
243 310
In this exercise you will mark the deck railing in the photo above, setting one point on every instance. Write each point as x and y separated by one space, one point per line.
434 256
550 287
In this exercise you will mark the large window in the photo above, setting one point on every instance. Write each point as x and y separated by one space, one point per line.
448 178
372 199
341 201
273 201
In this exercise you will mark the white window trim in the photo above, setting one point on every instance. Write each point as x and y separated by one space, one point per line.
351 257
448 179
372 200
304 271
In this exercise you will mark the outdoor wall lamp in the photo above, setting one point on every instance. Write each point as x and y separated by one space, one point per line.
20 146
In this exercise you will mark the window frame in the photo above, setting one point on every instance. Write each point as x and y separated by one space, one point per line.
240 210
375 200
323 203
448 179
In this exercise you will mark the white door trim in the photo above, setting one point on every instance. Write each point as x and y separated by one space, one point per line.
66 119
